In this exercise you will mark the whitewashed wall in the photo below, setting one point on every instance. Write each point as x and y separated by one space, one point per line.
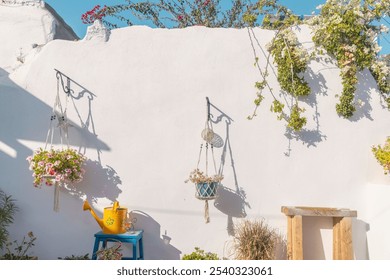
147 89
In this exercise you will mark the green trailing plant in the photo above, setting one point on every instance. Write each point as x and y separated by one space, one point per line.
346 30
291 60
176 14
7 212
19 250
199 254
254 240
382 155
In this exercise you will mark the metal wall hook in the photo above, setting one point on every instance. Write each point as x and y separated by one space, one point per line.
66 88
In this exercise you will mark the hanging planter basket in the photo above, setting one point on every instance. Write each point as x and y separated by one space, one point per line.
206 186
206 191
57 167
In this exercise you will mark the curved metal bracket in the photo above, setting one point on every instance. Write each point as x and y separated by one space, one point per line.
66 87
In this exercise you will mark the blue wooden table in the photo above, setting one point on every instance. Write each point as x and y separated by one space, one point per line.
134 237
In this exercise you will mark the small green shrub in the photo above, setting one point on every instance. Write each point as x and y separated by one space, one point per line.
7 211
18 251
199 254
73 257
382 155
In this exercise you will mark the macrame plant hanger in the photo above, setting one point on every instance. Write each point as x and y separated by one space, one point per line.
207 191
62 125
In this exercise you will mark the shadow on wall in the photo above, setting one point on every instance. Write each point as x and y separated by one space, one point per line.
316 229
26 118
100 181
359 237
156 245
230 202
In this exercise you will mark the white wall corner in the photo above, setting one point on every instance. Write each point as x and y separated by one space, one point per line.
97 31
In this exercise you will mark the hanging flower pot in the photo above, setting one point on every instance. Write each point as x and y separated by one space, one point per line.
206 190
205 187
56 167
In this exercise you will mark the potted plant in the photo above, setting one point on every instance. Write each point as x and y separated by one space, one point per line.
111 253
382 155
206 186
199 254
54 166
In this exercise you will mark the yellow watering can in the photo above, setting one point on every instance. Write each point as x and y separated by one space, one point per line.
114 218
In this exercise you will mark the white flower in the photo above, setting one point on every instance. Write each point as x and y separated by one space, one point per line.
384 28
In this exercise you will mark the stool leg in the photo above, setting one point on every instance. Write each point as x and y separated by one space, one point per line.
95 248
134 249
141 249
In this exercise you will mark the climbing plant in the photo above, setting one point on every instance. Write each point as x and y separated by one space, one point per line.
177 14
291 60
347 30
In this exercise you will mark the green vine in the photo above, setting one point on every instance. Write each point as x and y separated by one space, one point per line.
346 30
382 155
291 59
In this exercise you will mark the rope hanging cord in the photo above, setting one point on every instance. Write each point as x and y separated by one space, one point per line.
60 115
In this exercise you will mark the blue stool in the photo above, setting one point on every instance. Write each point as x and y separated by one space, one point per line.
134 237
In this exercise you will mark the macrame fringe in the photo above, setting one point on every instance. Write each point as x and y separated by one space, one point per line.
56 207
206 211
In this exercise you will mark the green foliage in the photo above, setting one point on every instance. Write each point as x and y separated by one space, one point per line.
182 13
277 107
18 251
291 60
110 253
199 254
7 211
382 155
296 122
73 257
346 30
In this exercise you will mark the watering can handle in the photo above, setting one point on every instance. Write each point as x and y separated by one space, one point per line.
115 206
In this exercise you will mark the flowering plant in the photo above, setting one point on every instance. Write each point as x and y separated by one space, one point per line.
56 165
95 14
382 155
198 177
111 253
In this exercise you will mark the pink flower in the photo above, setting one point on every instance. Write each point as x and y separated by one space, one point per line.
29 158
41 164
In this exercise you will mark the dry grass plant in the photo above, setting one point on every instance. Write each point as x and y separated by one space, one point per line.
254 240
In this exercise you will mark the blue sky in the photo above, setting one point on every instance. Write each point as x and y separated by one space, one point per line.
71 11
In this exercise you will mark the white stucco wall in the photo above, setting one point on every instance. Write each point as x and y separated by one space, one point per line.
148 110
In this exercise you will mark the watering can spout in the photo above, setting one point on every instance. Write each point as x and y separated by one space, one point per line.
87 206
